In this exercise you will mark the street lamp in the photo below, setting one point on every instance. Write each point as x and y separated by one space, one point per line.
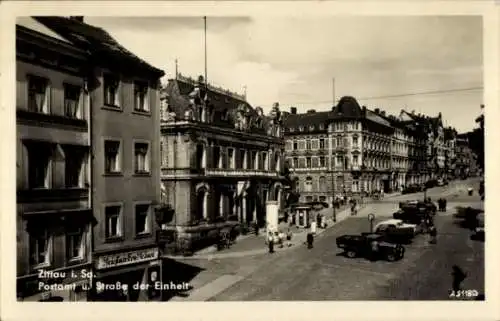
333 196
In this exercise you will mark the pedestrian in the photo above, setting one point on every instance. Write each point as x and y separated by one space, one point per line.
310 240
433 234
458 276
289 238
444 204
271 242
256 226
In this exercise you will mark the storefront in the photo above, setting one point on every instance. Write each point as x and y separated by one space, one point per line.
128 276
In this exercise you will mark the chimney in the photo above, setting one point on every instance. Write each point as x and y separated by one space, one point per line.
77 18
377 111
364 109
382 113
311 111
293 110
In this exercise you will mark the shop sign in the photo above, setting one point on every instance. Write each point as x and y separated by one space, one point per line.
132 257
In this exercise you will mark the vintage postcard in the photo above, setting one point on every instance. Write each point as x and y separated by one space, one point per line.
173 152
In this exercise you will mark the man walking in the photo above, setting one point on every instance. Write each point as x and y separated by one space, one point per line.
271 242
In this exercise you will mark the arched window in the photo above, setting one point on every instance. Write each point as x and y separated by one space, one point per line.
308 185
201 203
201 157
322 184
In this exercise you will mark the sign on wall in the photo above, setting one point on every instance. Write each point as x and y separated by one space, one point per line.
131 257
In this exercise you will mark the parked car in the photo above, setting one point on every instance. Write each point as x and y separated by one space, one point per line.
397 231
419 207
413 188
431 183
468 216
363 245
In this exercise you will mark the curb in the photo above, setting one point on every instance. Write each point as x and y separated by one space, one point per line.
221 255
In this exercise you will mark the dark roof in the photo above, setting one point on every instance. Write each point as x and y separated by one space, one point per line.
98 42
347 107
307 119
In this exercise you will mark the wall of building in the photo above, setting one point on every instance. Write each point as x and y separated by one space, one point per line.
127 188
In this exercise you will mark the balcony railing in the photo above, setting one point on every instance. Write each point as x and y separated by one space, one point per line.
52 195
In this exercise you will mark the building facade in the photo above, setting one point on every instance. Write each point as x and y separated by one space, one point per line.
353 151
222 161
124 135
54 213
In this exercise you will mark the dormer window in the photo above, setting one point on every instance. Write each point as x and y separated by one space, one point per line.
225 115
301 128
321 126
311 127
291 129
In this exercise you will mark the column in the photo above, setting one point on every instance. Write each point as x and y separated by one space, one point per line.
244 208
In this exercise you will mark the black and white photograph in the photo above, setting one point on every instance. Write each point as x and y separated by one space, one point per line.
249 158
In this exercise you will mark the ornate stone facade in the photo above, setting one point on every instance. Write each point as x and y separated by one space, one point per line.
221 160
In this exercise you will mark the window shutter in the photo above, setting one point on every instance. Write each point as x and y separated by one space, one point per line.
81 109
118 91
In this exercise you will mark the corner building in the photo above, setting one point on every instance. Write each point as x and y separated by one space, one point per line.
222 161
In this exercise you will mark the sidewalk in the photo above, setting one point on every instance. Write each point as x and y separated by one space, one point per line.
250 244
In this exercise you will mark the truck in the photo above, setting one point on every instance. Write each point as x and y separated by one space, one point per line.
370 245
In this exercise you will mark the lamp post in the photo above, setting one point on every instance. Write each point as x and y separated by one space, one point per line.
333 196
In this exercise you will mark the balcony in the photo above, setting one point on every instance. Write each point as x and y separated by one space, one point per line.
43 195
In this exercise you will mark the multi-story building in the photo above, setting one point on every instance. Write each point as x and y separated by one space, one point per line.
450 141
466 163
435 155
222 161
351 150
346 150
124 134
307 154
54 214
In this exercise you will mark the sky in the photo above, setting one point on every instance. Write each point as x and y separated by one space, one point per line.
293 60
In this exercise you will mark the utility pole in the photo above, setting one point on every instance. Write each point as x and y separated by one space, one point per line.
332 160
205 25
176 71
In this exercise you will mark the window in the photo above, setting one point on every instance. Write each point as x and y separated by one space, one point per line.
301 128
200 156
308 162
302 144
112 223
322 198
309 199
72 101
355 141
141 152
142 219
339 142
40 244
277 163
111 91
230 158
38 94
74 157
322 162
242 159
315 144
355 160
340 161
295 145
308 144
217 159
75 244
355 186
112 156
322 183
39 163
255 160
141 102
308 184
295 162
321 143
265 160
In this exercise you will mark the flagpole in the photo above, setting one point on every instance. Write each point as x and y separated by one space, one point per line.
205 27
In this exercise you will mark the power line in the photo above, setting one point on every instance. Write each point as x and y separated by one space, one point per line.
396 96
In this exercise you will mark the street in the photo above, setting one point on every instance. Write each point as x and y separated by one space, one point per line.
322 273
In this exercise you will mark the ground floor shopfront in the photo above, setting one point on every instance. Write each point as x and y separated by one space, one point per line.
134 275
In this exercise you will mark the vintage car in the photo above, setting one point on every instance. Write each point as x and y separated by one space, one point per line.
397 230
365 245
468 216
413 188
421 207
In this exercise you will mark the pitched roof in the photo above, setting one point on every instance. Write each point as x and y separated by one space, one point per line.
307 119
348 107
97 41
